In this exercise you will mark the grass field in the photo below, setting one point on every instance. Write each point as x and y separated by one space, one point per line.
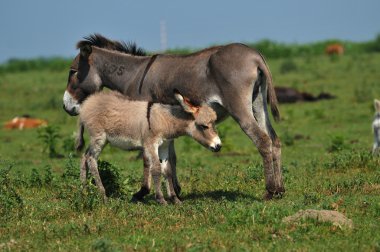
326 160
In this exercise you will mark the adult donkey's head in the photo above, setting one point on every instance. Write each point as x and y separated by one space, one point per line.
83 80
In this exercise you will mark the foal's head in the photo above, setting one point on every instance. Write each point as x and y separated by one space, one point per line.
82 81
202 128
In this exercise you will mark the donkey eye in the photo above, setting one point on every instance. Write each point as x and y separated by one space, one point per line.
203 126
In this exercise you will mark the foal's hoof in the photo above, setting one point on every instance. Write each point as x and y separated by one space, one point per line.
273 195
161 201
136 199
175 200
105 199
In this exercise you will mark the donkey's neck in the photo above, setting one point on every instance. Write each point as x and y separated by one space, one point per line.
119 71
170 121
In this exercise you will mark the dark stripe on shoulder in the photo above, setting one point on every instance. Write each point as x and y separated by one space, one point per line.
152 59
150 104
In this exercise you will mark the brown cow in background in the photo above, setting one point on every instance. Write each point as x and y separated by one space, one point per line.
334 49
24 122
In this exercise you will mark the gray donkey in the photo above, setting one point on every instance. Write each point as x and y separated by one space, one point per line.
233 79
112 118
376 129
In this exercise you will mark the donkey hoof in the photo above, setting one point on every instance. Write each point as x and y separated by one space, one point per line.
268 195
136 199
273 195
105 199
175 200
161 201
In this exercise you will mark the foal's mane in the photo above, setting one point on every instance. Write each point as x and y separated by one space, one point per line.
103 42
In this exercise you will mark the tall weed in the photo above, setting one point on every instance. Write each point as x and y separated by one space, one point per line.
49 136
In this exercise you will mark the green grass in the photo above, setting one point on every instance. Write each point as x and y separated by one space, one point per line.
325 158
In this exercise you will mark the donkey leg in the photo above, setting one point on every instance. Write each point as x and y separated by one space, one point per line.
261 115
151 152
83 169
264 144
92 154
241 110
156 175
167 170
93 167
145 187
173 167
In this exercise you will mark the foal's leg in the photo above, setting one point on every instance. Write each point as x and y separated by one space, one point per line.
83 169
167 170
260 112
151 152
145 187
92 155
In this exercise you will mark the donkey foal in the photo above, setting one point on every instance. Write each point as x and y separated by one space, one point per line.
130 125
376 129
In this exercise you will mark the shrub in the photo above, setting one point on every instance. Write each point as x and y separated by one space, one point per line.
49 136
35 179
48 178
337 144
112 179
72 170
84 198
11 202
69 145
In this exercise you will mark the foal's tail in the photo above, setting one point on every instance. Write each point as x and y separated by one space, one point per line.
79 143
272 98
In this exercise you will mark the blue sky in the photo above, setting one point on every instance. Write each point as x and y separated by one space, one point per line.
52 28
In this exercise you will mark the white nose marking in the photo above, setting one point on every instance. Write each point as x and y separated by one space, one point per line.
69 102
215 142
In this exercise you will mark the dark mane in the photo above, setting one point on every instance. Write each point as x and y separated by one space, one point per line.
103 42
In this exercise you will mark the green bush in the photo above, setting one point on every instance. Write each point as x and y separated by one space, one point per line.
337 144
49 136
112 179
35 179
72 169
11 202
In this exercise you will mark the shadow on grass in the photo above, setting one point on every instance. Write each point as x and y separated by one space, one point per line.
219 195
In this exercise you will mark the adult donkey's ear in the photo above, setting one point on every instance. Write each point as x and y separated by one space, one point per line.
185 103
85 51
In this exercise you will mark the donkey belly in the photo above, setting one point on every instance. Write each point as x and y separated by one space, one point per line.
124 143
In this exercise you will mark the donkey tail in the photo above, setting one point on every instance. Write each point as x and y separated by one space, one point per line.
79 143
272 98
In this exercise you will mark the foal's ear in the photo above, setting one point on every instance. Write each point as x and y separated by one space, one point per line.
185 103
85 51
377 105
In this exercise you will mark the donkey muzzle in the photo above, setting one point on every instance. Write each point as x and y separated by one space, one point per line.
216 148
72 112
